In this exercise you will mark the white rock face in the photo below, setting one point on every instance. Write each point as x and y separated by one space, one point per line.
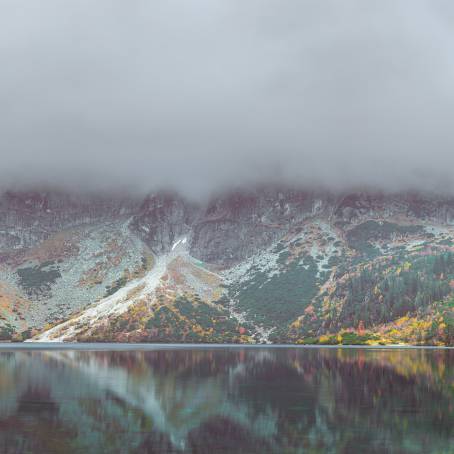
115 304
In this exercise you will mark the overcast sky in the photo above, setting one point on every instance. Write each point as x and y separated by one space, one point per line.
197 94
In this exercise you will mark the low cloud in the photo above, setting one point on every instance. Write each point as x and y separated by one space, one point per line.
201 94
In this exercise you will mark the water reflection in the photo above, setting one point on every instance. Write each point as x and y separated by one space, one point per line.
227 400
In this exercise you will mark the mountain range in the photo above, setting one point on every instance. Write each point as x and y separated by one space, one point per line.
268 264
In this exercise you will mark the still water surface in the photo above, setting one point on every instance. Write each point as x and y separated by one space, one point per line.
233 400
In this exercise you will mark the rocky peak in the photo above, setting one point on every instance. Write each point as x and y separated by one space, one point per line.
226 229
162 218
28 217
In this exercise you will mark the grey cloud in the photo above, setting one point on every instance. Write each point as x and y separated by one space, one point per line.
199 94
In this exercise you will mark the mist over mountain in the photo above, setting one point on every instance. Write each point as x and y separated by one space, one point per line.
227 171
186 185
203 95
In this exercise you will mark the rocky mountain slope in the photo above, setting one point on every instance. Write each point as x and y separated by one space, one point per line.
268 264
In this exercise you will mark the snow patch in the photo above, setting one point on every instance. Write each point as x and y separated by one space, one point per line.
180 241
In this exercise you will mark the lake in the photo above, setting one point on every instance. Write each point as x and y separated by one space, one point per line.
174 399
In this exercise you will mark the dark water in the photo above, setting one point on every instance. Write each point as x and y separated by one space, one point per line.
235 400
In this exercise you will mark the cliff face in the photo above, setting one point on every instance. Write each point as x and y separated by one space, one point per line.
268 263
234 226
26 218
162 218
227 229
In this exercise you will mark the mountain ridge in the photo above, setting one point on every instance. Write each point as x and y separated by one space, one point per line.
263 264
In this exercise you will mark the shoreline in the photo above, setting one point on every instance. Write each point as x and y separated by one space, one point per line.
5 346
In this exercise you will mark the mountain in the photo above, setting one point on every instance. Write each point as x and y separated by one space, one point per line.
264 264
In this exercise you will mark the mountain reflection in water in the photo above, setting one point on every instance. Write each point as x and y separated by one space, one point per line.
235 400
